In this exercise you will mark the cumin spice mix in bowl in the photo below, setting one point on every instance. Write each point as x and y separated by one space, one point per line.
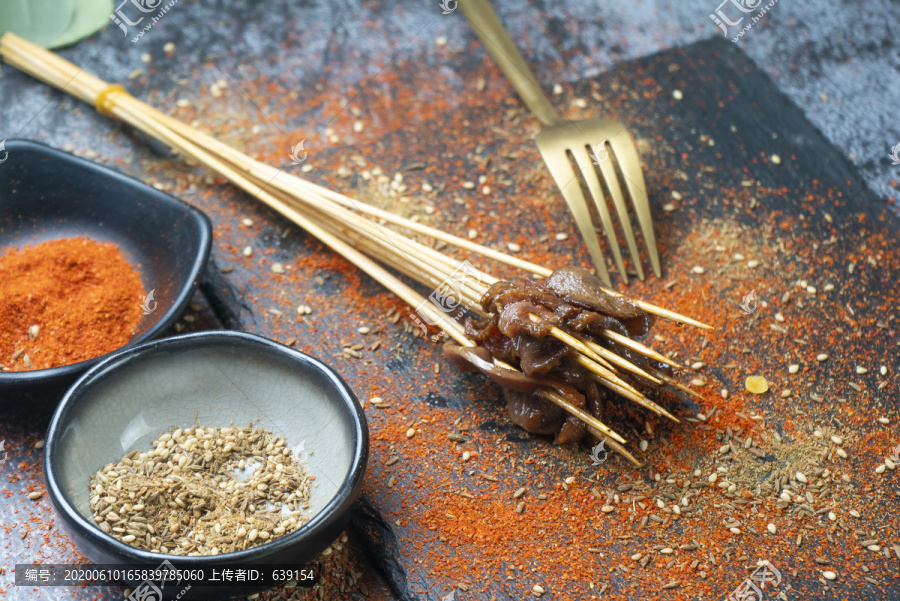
211 450
91 261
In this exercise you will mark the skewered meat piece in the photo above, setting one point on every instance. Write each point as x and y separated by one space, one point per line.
573 300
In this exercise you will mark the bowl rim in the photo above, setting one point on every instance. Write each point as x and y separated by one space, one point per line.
339 504
204 248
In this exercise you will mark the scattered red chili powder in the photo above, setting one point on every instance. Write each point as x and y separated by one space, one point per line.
65 301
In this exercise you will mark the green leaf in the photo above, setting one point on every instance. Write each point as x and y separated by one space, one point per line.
90 16
38 21
54 23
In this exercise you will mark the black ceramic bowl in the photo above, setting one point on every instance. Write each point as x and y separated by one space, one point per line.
223 378
47 194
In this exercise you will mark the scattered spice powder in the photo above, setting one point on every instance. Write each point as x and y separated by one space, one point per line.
65 301
203 491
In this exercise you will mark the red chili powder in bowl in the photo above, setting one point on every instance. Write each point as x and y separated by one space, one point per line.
65 301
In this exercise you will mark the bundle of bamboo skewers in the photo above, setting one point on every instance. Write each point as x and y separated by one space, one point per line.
358 232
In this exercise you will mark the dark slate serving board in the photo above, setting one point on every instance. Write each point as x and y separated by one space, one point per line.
725 98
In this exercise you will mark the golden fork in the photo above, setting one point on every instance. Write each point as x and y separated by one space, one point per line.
594 144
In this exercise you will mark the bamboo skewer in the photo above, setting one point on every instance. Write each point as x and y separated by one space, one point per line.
348 227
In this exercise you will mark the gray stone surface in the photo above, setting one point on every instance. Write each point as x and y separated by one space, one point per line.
838 61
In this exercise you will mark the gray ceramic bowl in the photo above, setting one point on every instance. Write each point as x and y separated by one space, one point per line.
127 400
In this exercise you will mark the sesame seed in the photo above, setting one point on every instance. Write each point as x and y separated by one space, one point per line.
698 269
35 495
473 233
277 268
771 528
861 370
643 445
883 370
821 357
829 575
837 439
248 251
411 432
169 47
884 421
880 469
537 590
466 456
562 236
801 477
752 264
513 247
775 159
677 94
607 508
794 368
828 287
468 185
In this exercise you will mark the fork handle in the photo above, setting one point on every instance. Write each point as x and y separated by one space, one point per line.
497 41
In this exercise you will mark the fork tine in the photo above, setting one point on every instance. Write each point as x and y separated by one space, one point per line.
586 165
626 153
568 184
615 190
